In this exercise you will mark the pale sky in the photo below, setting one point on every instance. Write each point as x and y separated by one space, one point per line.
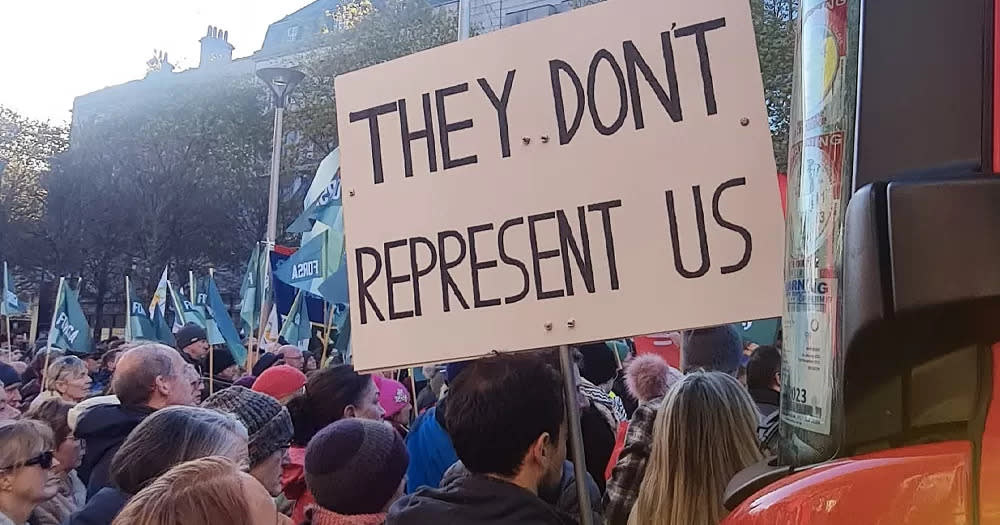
53 50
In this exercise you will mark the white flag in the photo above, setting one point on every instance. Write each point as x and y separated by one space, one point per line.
160 297
271 329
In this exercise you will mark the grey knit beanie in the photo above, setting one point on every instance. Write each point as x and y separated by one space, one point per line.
715 349
267 422
355 466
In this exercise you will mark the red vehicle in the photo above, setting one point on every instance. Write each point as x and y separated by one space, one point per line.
893 280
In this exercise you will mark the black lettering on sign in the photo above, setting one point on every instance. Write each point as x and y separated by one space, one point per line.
565 132
364 296
633 61
407 136
371 115
675 235
477 266
609 238
446 265
604 54
747 239
418 272
582 257
537 256
500 104
511 261
444 128
392 280
699 30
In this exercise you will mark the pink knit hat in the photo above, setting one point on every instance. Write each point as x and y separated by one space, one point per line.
392 395
648 376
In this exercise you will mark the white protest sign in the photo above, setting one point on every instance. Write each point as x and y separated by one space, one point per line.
601 173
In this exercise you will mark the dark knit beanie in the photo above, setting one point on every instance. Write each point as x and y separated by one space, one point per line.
222 359
355 466
716 349
599 364
268 424
8 376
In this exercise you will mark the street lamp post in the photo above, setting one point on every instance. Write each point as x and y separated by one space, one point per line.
281 81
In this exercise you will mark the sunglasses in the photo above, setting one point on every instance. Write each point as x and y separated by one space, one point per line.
43 460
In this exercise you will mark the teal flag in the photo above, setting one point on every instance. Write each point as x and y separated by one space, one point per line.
310 266
70 330
11 305
219 315
343 343
138 326
175 311
297 329
201 306
161 328
326 209
250 294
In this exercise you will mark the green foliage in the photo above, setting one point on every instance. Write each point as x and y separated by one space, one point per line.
26 146
397 28
774 24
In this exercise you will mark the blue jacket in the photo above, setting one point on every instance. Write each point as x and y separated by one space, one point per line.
430 449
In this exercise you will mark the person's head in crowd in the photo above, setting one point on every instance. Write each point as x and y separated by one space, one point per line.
69 376
355 467
264 362
26 463
193 341
598 364
332 394
66 448
310 362
394 399
110 360
7 411
269 427
152 375
172 436
430 371
42 357
281 382
506 418
93 361
224 365
649 377
714 349
11 384
764 369
205 491
194 379
292 356
705 432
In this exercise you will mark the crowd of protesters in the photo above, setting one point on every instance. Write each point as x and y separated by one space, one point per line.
142 433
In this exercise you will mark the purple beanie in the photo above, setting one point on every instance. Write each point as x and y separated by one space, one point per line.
355 466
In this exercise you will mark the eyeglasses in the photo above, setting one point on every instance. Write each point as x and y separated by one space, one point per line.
43 460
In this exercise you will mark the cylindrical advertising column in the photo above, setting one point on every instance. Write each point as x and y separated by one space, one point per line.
820 160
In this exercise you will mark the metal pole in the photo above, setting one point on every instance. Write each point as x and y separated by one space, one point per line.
464 18
569 373
272 196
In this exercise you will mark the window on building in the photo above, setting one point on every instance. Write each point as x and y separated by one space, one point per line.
293 33
512 18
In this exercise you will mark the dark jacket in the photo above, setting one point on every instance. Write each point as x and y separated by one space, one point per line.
475 500
598 441
767 400
564 497
103 429
101 509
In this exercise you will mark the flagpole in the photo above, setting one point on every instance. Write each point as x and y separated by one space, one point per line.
413 385
211 351
265 306
191 291
10 340
326 332
33 330
48 349
128 314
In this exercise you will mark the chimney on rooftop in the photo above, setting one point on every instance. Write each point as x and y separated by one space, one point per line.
215 48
